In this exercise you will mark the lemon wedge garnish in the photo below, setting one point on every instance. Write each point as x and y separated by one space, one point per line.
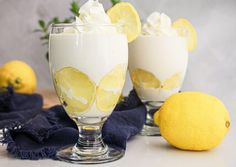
110 88
75 90
125 14
186 29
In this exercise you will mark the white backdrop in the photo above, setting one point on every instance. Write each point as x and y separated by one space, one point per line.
212 65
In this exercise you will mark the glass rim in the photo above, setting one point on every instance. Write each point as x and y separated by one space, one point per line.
61 25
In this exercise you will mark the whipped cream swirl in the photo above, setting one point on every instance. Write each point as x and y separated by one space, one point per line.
159 24
93 13
92 19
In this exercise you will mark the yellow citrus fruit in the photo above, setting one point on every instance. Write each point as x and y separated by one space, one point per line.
107 100
186 29
125 14
144 79
193 121
110 88
173 82
19 75
75 90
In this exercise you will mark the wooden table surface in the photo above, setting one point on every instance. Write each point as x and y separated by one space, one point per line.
49 97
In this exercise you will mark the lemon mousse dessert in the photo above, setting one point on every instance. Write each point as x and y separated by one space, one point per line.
88 62
158 60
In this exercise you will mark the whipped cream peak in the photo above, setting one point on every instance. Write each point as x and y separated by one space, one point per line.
93 12
159 24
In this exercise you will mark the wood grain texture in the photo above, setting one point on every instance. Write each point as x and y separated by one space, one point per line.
49 98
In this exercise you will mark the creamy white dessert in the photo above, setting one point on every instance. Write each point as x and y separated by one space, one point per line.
88 62
158 59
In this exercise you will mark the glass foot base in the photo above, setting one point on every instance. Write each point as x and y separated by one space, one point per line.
68 155
150 131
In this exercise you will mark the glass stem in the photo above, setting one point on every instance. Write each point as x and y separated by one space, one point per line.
150 129
90 141
151 107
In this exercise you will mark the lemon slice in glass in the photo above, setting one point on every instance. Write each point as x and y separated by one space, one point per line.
144 79
172 82
110 88
125 14
186 29
75 90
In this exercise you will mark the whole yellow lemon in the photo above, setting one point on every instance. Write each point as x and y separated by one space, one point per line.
19 75
193 121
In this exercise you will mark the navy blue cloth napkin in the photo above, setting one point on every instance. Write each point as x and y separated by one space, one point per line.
18 107
48 131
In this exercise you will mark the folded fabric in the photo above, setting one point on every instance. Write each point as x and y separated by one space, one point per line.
51 130
18 107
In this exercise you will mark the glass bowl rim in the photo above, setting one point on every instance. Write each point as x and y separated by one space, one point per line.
61 25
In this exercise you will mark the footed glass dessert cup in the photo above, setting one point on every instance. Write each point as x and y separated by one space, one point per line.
88 67
157 66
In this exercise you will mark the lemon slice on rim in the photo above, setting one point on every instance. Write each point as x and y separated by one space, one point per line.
186 29
110 88
144 79
125 14
76 91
